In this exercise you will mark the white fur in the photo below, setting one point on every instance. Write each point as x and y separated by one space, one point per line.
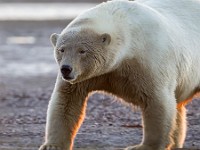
124 19
164 37
173 26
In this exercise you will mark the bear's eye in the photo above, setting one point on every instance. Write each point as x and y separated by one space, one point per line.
61 50
82 51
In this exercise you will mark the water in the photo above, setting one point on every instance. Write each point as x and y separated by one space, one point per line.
25 49
42 11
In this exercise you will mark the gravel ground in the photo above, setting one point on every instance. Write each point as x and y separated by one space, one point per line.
27 77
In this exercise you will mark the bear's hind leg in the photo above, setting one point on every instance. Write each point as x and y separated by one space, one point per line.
181 127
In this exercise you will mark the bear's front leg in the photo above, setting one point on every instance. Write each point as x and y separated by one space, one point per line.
64 116
159 115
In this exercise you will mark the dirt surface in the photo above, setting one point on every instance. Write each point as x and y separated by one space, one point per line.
27 77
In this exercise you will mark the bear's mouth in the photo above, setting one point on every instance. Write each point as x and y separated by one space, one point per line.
68 78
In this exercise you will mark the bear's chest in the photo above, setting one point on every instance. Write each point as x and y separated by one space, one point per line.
134 87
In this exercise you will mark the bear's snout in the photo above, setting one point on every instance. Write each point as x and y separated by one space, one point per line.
66 70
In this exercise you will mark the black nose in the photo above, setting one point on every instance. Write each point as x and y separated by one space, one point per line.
66 70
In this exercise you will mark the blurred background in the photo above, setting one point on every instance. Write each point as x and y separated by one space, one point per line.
28 73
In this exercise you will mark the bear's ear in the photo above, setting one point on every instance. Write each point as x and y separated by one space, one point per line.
53 39
105 39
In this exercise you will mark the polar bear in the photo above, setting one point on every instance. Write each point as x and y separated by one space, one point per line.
145 51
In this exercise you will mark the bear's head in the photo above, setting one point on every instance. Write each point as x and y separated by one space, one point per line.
83 53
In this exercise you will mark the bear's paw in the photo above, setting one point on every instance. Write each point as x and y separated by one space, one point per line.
140 147
49 147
